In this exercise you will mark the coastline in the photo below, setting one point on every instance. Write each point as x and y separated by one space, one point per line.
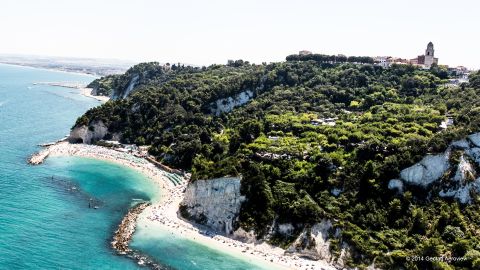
84 90
52 69
163 212
88 93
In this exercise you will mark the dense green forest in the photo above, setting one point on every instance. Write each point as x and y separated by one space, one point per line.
320 138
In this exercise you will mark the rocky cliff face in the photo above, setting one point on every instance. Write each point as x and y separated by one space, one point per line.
225 105
314 242
214 203
454 173
89 134
428 170
123 93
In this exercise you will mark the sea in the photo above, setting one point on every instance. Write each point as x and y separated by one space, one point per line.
62 214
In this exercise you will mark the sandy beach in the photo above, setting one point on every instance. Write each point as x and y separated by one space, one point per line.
163 213
84 91
88 93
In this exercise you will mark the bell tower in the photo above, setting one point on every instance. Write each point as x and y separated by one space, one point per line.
429 55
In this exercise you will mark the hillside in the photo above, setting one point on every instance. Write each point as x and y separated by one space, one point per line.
315 140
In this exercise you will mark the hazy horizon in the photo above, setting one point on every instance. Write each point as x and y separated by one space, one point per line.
207 32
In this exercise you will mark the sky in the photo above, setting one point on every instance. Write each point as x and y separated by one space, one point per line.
204 32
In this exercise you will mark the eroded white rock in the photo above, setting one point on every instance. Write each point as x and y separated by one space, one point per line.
461 144
286 228
214 202
475 139
462 193
88 134
227 104
242 235
314 242
428 170
464 170
474 153
395 184
461 185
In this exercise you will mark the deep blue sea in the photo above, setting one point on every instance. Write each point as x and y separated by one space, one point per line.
45 219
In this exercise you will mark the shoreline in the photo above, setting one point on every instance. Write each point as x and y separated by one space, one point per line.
52 69
84 90
87 92
163 211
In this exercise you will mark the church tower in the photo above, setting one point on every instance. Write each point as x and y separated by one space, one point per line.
429 55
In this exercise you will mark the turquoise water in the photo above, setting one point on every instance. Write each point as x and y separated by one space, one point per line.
181 253
45 218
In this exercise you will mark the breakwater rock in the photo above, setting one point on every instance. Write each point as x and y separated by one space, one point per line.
39 157
123 234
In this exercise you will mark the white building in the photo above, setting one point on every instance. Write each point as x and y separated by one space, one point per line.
382 61
304 52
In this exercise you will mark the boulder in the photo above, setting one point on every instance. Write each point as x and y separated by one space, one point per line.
396 184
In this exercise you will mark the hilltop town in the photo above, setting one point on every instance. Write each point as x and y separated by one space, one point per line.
458 74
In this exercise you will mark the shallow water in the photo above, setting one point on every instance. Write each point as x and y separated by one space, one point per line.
48 218
180 252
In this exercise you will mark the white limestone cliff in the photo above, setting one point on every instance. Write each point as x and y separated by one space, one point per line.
314 242
88 134
475 139
396 184
131 85
463 182
428 170
215 202
228 104
459 180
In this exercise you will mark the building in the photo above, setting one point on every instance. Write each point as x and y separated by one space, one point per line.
396 60
387 61
304 52
426 60
382 61
429 58
458 72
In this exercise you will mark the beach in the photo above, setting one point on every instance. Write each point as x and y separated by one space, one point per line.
84 90
163 212
88 93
